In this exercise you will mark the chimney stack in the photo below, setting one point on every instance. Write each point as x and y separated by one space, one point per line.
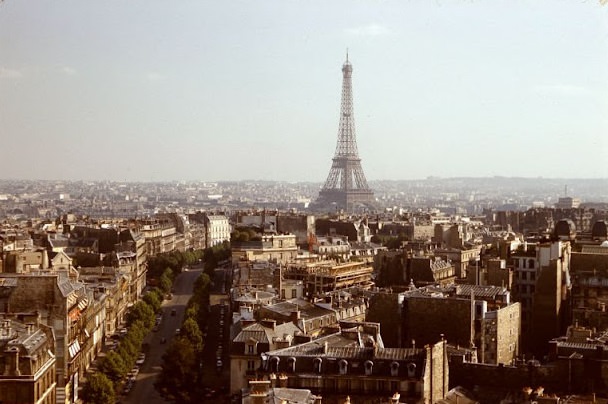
12 362
295 316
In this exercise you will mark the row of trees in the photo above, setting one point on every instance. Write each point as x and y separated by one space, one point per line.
100 387
180 376
175 260
213 256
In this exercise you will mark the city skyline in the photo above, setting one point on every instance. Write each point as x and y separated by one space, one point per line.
147 91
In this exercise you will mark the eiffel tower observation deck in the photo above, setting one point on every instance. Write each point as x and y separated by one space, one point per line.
346 187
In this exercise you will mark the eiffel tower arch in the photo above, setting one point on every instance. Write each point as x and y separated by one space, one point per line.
346 187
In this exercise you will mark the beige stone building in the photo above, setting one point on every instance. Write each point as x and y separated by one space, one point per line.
27 361
328 276
278 248
353 362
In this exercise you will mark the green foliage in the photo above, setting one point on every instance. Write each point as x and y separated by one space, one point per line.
178 379
98 389
174 260
243 234
166 280
192 333
200 298
192 310
141 311
153 301
214 255
137 332
113 366
128 351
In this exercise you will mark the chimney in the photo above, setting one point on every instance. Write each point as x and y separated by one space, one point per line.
273 380
295 316
283 380
259 391
12 362
268 323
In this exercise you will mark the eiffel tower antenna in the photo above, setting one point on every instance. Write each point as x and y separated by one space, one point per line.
346 186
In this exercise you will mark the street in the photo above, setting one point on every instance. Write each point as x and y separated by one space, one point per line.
216 379
143 389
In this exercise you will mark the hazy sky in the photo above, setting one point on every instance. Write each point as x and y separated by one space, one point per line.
220 90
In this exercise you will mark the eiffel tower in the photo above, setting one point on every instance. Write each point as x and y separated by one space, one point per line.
346 187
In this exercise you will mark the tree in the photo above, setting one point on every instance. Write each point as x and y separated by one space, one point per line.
98 390
166 280
153 301
113 366
192 333
141 311
177 380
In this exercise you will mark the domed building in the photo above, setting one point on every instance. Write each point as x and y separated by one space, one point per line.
599 230
565 230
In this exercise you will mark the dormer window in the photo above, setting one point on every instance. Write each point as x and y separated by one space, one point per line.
317 365
343 366
411 370
369 365
250 348
274 364
291 364
395 369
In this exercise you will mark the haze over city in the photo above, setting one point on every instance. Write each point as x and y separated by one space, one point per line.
155 91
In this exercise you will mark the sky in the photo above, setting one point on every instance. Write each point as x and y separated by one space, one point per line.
158 90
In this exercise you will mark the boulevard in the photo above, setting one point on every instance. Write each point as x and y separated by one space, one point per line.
143 389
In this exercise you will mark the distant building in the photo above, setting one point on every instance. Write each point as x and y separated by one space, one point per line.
567 202
279 248
327 276
217 230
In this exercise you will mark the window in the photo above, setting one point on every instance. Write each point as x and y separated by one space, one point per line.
369 365
294 293
250 349
291 363
250 365
343 366
394 369
411 370
317 365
